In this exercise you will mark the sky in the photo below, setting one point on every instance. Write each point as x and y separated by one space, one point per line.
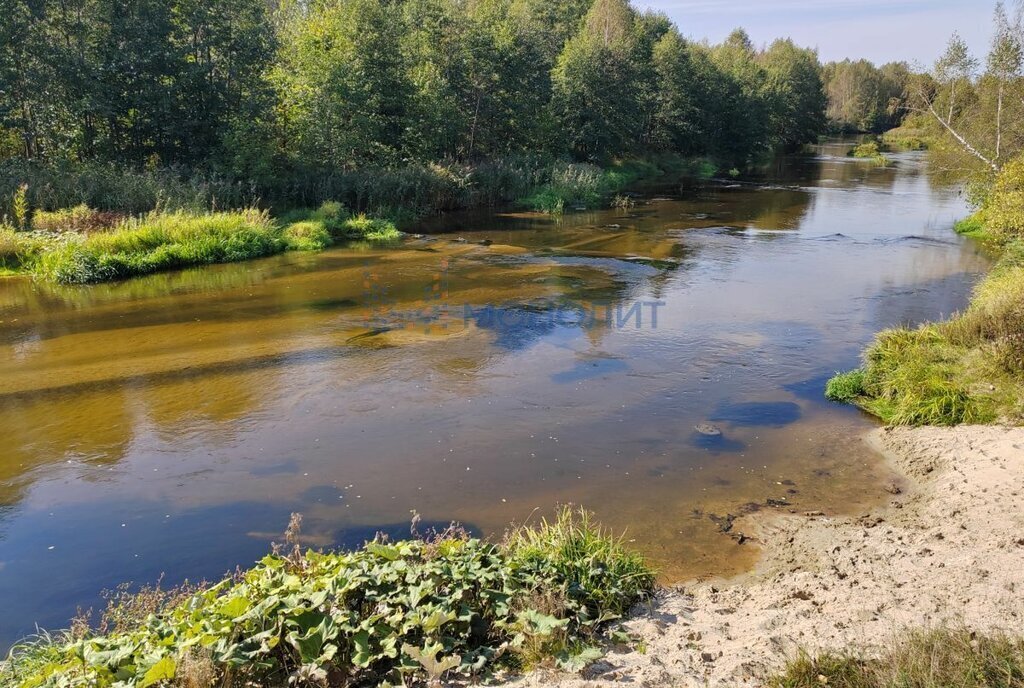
915 31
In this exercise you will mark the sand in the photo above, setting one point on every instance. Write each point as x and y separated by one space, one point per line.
947 547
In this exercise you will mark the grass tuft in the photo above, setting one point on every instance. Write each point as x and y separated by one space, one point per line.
845 387
968 369
162 241
919 659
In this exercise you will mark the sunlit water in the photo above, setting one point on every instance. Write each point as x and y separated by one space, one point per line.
170 424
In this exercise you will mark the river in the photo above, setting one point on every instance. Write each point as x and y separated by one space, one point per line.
483 372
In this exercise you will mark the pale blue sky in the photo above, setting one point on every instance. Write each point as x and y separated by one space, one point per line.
879 30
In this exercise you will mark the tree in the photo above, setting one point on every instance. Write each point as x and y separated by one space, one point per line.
795 92
593 99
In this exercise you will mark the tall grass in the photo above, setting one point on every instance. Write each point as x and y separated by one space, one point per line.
940 658
389 613
968 369
162 241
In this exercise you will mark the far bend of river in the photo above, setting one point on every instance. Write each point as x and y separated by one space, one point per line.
170 424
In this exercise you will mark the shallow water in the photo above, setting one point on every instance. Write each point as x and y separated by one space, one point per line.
171 423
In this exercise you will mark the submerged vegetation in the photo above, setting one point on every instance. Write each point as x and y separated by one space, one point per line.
385 614
937 658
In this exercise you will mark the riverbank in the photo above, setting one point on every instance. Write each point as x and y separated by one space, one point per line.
945 549
969 368
90 233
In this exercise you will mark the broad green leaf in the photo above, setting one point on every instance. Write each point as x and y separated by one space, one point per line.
161 671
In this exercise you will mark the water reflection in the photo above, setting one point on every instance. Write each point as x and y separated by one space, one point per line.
171 423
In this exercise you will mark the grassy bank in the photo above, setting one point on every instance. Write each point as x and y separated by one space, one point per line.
579 185
400 193
389 613
78 224
920 659
75 247
970 368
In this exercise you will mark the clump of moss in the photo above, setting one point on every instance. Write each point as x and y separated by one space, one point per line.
388 613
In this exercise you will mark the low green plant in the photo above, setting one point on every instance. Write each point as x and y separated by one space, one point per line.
162 241
390 613
845 387
968 369
868 149
17 251
307 235
938 658
80 218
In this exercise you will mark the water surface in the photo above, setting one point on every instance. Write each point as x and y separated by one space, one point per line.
482 373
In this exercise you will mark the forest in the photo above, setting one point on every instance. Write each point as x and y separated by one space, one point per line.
273 97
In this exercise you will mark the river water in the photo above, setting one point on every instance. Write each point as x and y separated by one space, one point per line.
485 372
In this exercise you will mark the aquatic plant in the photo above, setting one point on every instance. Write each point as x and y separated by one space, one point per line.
307 235
388 612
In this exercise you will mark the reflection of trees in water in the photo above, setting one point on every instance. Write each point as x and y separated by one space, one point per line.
37 431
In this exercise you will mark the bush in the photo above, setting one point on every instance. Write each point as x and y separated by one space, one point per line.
919 659
394 612
1004 207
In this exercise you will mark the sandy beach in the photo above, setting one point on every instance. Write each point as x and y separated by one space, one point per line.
946 547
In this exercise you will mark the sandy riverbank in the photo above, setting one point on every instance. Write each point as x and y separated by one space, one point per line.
947 548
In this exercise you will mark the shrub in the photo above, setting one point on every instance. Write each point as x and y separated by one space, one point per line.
394 612
1004 207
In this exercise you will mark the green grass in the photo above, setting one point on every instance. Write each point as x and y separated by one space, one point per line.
582 185
161 241
940 658
845 387
79 250
972 226
968 369
400 613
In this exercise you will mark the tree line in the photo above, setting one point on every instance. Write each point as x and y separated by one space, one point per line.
256 90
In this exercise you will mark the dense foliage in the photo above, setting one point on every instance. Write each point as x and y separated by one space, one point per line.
863 97
383 615
274 97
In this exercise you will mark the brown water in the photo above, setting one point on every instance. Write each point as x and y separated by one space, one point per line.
171 424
